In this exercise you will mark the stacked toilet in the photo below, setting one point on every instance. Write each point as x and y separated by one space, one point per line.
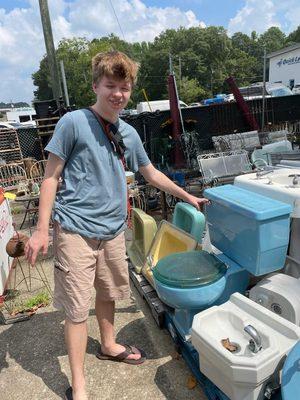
250 235
280 292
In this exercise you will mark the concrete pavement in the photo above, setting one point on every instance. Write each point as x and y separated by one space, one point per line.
34 364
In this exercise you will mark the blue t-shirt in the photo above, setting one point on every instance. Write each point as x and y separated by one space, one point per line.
92 199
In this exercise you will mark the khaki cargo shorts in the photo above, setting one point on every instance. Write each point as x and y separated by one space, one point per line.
81 263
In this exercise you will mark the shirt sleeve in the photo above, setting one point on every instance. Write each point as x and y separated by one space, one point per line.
63 139
137 157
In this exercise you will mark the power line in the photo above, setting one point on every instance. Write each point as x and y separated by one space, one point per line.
117 19
215 80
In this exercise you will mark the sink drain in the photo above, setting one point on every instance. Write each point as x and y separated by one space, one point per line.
237 348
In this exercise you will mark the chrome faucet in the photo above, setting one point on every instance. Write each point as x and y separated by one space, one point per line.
296 179
255 341
261 172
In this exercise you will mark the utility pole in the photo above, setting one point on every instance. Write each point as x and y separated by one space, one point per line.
51 57
179 67
170 64
264 91
62 68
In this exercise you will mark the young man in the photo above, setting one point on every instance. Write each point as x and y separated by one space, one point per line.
90 212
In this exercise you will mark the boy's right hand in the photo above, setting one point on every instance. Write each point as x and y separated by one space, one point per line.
38 241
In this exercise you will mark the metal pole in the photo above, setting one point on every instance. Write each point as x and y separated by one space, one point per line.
51 57
181 119
179 108
62 68
170 64
179 76
146 98
264 91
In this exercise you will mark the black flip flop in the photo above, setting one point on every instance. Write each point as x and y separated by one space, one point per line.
69 394
122 357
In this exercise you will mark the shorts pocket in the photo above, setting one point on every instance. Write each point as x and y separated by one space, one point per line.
58 265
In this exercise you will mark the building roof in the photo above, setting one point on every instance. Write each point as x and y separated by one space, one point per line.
284 50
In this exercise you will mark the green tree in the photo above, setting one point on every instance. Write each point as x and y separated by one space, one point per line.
273 39
76 54
208 56
248 44
190 91
41 79
294 37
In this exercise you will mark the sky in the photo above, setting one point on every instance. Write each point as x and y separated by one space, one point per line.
22 43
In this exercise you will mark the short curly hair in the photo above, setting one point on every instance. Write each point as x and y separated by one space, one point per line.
114 64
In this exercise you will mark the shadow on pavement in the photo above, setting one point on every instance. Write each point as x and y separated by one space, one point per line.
36 345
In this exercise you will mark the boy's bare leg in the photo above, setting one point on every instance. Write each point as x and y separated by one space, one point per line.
76 341
105 312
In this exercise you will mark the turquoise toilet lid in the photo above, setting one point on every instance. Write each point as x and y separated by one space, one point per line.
189 269
290 381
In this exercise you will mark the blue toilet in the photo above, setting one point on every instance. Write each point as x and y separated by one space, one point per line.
251 233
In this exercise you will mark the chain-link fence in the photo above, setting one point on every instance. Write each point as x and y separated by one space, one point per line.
201 123
30 143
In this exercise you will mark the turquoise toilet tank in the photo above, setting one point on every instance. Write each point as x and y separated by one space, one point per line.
251 229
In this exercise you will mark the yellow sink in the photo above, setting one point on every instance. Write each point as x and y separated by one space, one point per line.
168 240
143 231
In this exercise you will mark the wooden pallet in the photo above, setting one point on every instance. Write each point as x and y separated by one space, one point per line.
10 149
45 129
148 293
45 126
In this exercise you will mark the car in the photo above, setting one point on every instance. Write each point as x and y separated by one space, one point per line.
218 99
10 125
229 98
28 124
127 112
279 91
195 105
156 105
17 125
296 89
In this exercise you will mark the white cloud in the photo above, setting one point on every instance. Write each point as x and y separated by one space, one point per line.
259 15
137 21
22 43
256 15
292 14
21 48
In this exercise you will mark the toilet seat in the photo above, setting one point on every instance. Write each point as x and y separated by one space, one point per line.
189 269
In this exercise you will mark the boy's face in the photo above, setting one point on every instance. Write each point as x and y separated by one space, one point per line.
112 94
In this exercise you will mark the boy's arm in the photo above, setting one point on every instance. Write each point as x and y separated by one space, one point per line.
162 182
40 238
